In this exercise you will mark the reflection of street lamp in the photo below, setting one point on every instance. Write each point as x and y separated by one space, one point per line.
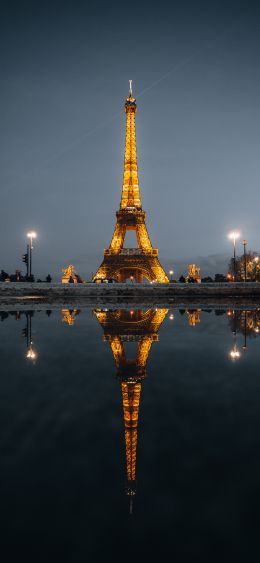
31 354
244 242
171 274
31 236
233 236
245 330
234 353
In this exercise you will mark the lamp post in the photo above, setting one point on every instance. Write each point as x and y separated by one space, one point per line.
31 236
25 259
171 274
244 242
256 259
233 236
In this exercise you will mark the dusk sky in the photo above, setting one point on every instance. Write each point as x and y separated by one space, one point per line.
64 78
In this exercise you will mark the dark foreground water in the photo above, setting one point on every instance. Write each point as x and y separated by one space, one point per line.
67 442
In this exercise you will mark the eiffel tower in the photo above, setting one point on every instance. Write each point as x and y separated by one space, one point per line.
122 326
135 263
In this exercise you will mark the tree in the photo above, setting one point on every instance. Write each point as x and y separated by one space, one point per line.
4 315
220 278
48 278
182 279
250 266
3 275
207 279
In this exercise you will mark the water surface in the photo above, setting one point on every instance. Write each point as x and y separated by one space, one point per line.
126 434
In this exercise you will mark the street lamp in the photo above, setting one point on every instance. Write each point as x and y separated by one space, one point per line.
256 260
233 236
244 242
32 235
171 274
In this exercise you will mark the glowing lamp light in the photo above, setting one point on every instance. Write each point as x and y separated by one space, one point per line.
171 317
32 234
234 235
234 354
31 354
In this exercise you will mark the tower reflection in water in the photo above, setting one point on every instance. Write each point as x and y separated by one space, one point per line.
69 315
142 327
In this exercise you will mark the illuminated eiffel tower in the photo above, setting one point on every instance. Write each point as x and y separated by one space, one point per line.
123 263
131 326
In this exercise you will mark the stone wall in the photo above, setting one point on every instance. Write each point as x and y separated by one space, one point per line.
89 290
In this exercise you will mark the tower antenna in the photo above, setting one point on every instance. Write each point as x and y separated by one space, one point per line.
130 89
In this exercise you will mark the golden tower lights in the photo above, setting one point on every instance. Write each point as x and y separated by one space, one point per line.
134 263
135 326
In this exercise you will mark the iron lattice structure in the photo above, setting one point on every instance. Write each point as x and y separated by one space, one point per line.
122 263
139 326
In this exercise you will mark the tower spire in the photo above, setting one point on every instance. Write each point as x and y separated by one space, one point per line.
131 400
130 190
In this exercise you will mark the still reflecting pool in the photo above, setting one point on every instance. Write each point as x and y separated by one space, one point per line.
130 432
